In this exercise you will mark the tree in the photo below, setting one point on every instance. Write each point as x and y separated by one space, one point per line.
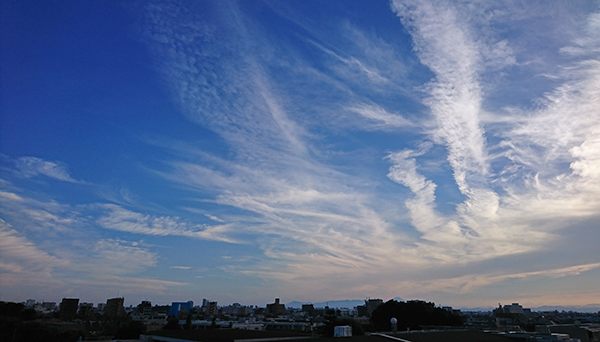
188 322
213 324
332 321
172 324
133 330
17 325
413 315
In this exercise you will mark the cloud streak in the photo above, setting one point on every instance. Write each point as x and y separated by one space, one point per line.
468 283
118 218
82 263
32 166
381 116
21 256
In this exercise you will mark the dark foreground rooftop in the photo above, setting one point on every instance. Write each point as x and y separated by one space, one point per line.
453 336
231 335
224 335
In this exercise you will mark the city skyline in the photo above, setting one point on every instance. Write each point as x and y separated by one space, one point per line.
241 151
294 305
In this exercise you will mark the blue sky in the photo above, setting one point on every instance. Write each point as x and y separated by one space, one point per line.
307 150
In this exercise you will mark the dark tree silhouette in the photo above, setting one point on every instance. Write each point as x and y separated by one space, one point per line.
331 321
412 314
172 324
133 330
188 322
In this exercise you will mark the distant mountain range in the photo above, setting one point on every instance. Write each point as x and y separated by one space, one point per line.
352 303
584 308
580 308
334 304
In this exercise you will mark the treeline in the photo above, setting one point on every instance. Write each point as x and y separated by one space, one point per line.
414 315
21 324
17 323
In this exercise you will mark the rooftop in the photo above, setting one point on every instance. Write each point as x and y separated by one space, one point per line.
231 335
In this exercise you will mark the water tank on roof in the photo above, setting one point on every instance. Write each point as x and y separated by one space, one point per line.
342 331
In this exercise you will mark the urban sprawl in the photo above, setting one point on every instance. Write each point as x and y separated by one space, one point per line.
374 320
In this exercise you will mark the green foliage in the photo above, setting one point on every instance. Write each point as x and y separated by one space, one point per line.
68 336
28 314
16 310
19 331
16 324
172 324
332 321
213 324
413 315
133 330
188 322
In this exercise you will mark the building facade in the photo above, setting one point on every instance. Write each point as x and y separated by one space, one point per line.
68 308
180 308
276 308
114 307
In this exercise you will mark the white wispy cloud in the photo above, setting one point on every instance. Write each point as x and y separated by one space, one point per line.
352 66
181 267
380 115
118 218
422 207
310 218
23 266
214 218
445 45
104 271
32 166
110 254
467 283
130 286
38 215
267 178
588 44
298 199
491 156
233 97
568 117
15 248
51 249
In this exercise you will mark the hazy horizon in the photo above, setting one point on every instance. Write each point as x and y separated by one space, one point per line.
345 303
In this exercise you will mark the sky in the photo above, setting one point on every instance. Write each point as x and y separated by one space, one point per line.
447 151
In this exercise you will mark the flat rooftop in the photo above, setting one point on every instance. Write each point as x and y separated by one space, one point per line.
231 335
